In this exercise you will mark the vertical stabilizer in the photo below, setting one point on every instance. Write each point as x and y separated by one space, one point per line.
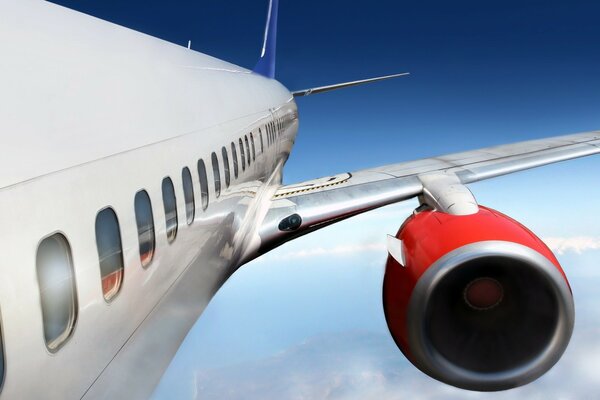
266 64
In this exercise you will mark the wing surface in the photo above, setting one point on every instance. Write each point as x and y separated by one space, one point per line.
304 207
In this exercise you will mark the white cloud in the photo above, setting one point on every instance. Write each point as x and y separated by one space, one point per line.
577 244
352 366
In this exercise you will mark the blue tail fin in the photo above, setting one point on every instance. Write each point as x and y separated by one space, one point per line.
266 64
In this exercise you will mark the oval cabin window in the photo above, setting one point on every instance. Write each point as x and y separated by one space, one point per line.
216 173
2 361
226 166
253 147
242 156
188 194
247 149
110 252
235 160
170 205
145 227
56 280
203 184
262 143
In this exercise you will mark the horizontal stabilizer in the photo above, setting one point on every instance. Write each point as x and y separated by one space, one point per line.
322 89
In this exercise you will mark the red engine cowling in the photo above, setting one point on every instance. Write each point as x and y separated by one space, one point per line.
481 302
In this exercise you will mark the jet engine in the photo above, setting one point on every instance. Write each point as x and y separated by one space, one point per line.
476 301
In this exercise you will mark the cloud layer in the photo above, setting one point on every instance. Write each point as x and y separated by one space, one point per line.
367 365
577 244
559 245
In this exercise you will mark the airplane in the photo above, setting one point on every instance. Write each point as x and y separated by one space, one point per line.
142 174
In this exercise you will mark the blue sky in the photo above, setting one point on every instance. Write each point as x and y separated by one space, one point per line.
306 321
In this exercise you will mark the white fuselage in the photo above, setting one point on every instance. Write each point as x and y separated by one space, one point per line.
90 114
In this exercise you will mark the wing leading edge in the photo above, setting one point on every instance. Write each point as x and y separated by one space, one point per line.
304 207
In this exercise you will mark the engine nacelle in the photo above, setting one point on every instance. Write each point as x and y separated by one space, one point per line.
480 303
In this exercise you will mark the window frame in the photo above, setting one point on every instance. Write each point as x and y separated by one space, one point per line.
262 144
247 149
67 333
204 194
174 230
242 155
216 169
188 194
235 160
268 129
2 355
145 263
253 148
273 133
119 286
226 169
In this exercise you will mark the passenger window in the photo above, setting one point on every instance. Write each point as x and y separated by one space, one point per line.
170 204
216 173
235 160
145 226
253 148
247 149
58 297
203 183
226 166
110 252
270 139
262 144
1 357
188 195
242 156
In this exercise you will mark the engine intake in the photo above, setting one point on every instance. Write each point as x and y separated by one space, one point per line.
481 303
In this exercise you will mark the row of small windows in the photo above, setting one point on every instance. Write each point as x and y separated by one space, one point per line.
54 264
274 130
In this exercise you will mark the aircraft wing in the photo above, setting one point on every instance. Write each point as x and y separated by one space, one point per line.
304 207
